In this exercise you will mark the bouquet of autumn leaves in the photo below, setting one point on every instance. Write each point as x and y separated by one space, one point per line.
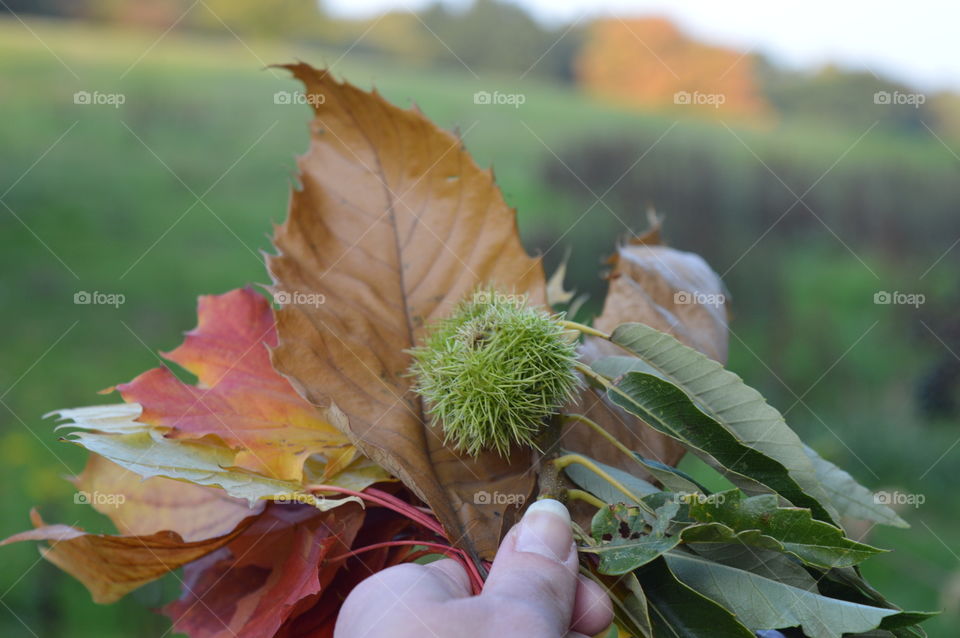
420 383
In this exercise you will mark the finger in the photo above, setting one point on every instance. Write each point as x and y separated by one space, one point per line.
400 593
430 584
535 570
458 582
592 610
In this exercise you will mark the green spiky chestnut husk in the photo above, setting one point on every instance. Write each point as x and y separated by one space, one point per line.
494 371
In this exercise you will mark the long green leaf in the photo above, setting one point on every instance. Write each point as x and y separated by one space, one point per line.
724 396
671 478
729 517
849 497
668 409
677 611
761 603
763 562
846 583
630 610
599 487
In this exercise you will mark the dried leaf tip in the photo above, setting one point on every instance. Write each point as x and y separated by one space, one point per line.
493 372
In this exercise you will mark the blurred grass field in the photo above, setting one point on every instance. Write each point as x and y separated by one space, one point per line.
173 194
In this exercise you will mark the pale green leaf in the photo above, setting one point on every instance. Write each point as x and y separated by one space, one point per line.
678 611
149 454
724 397
671 478
599 487
115 418
668 409
622 543
849 497
761 603
764 562
729 517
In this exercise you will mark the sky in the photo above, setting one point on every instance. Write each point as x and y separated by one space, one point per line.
917 42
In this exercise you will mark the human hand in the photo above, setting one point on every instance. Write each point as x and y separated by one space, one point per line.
533 591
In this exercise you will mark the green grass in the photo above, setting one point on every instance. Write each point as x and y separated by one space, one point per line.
101 212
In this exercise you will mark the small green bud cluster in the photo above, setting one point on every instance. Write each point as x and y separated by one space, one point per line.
494 371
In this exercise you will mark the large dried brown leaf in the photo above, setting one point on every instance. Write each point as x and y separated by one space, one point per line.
650 283
393 225
239 398
269 574
112 566
139 507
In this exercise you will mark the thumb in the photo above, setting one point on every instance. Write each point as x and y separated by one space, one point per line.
535 571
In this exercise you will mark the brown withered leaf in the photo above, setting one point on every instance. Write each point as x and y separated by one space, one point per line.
146 506
112 566
673 291
239 398
393 224
274 571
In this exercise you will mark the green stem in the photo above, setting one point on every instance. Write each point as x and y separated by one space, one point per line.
587 330
567 459
587 371
599 429
573 325
586 497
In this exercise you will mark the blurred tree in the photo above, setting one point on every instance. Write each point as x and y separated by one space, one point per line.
500 36
649 62
845 98
292 18
946 110
45 7
397 34
937 391
488 35
156 13
289 19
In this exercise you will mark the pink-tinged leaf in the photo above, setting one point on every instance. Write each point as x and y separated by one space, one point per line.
272 572
112 566
239 398
141 507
